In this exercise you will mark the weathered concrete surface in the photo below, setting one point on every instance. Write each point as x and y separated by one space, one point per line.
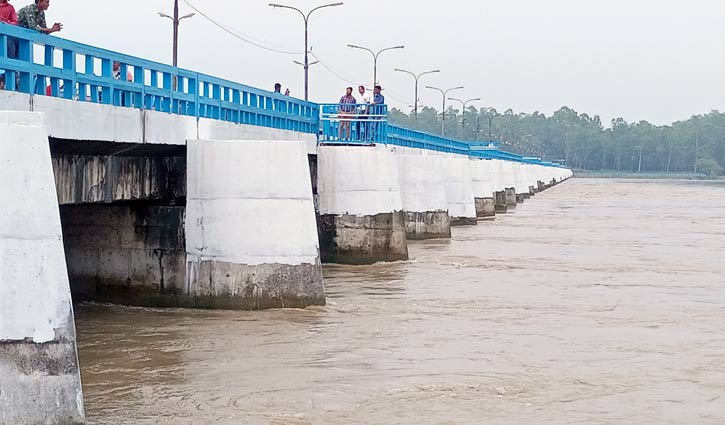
423 195
485 208
427 225
104 178
511 199
251 236
223 285
39 374
500 204
131 254
361 214
351 239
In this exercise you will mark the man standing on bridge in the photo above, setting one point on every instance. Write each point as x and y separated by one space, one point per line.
33 17
377 111
347 113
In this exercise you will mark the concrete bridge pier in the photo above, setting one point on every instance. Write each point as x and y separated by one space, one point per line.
361 211
423 193
459 191
251 234
520 183
482 189
498 187
509 182
39 374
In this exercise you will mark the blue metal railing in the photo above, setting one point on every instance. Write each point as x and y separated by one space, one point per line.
353 124
71 70
51 66
400 136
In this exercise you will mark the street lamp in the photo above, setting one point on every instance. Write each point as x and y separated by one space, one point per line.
176 20
491 113
306 17
445 94
464 103
375 58
417 77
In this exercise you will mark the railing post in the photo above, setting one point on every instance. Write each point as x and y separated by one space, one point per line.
69 64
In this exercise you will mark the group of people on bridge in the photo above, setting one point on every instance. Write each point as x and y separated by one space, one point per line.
363 110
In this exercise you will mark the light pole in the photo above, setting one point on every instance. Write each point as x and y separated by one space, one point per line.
306 17
176 20
445 95
375 58
417 77
491 113
464 103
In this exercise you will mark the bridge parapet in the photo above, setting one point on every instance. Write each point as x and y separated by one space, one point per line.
56 67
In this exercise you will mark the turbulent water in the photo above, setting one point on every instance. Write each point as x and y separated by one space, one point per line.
596 302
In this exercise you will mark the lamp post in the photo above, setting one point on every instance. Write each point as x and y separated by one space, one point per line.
445 95
375 58
176 19
464 103
491 113
306 17
417 77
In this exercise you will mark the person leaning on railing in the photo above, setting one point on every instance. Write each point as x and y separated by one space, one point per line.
33 17
347 113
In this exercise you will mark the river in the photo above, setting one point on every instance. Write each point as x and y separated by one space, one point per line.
596 302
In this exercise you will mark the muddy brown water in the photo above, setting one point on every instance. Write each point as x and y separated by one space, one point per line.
597 302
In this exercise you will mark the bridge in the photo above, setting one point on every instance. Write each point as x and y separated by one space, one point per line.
134 182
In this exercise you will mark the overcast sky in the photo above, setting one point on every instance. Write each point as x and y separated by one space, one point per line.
638 59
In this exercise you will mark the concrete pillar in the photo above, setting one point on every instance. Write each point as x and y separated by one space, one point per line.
251 236
39 375
423 195
361 212
459 191
521 185
509 181
498 186
530 173
482 190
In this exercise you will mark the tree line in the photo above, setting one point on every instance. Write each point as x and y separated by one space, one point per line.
581 141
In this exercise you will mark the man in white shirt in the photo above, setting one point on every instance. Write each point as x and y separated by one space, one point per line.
363 100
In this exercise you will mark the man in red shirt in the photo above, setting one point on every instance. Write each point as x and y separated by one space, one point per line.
9 17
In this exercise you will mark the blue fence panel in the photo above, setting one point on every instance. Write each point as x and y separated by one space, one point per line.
52 66
353 124
405 137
